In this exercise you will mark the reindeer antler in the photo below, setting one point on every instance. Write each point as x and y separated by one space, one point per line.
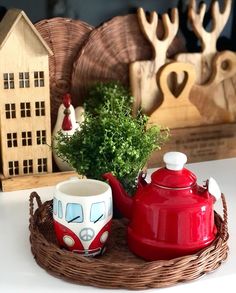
149 28
208 39
220 19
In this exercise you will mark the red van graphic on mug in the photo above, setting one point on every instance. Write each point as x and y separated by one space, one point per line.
82 212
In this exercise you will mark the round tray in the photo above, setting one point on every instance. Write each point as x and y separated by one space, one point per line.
118 267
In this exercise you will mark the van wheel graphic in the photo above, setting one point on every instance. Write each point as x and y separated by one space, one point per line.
86 234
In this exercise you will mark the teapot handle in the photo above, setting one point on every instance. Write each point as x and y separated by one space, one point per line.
213 188
224 222
141 179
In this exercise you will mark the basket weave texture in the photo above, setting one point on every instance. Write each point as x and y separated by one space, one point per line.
118 267
65 37
109 50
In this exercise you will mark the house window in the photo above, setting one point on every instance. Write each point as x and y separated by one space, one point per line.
13 167
40 108
27 166
24 79
8 79
11 140
10 110
25 109
41 136
42 165
26 137
38 78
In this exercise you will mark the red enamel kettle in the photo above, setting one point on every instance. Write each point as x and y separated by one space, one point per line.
170 217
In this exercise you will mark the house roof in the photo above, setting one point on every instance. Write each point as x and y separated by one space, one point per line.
10 20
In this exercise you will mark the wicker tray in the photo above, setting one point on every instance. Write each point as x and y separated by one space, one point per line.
118 267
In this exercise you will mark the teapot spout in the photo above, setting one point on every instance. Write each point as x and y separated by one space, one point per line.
121 199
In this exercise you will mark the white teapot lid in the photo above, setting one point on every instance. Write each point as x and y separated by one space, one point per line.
175 160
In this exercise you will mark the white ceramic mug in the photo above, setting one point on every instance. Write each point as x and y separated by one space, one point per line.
82 213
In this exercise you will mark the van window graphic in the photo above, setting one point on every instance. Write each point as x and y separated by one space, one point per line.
74 213
97 212
54 206
60 211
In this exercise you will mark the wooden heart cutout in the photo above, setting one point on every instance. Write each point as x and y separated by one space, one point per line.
176 109
183 89
176 83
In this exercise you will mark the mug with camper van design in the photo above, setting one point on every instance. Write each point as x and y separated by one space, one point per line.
82 213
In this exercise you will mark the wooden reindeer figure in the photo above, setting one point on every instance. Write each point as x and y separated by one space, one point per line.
203 60
143 73
224 91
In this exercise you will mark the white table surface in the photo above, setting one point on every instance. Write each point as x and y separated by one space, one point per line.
19 272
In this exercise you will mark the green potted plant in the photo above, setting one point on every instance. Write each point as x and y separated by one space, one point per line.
110 138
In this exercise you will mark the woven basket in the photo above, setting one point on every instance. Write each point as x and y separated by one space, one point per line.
118 267
110 49
65 37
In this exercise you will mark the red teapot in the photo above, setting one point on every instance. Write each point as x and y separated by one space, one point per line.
170 217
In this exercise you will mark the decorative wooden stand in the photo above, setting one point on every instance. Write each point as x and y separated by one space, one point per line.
195 96
33 181
201 143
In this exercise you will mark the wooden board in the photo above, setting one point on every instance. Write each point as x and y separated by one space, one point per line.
207 97
202 143
166 115
212 97
193 104
203 61
33 181
208 39
143 73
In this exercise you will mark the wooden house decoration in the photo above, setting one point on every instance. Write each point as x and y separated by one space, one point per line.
25 130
